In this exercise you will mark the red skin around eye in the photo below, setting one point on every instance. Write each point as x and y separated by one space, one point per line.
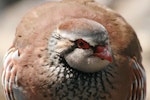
101 51
82 44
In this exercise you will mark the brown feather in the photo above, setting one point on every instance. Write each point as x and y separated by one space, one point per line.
35 29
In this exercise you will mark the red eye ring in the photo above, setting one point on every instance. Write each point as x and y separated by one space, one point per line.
82 44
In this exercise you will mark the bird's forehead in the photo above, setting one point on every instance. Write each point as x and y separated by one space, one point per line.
81 25
86 29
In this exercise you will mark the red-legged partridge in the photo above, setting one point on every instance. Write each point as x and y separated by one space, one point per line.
74 50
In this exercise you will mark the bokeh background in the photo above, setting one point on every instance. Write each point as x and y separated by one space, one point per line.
136 12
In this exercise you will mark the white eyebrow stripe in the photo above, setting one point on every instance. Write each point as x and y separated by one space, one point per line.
72 36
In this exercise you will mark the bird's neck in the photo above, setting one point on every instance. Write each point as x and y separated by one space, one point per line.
67 81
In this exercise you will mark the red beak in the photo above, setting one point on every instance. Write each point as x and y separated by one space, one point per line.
103 53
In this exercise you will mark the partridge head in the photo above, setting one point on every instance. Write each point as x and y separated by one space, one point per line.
74 50
83 43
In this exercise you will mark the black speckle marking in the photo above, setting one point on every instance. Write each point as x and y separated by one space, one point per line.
25 66
19 36
39 55
67 83
45 95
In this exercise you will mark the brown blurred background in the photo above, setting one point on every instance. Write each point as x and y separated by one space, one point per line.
136 12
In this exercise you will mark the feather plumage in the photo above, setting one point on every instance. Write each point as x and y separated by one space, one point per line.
32 72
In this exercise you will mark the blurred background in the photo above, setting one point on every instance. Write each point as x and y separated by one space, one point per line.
136 12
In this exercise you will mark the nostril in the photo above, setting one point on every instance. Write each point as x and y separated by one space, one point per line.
102 59
99 49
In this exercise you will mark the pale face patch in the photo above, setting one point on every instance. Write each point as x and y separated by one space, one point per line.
63 42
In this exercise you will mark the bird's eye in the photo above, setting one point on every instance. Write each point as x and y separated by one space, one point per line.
82 44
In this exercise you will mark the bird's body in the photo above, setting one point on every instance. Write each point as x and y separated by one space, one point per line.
74 50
